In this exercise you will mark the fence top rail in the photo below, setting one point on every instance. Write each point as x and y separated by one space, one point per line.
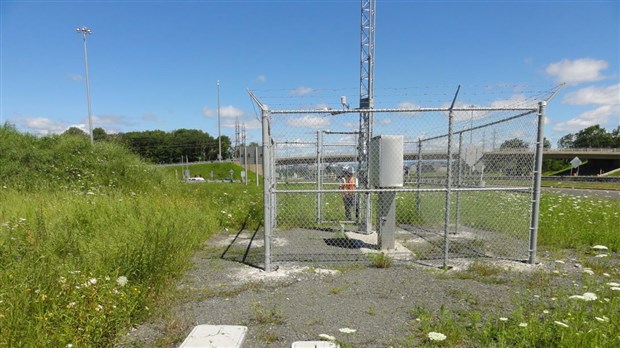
353 111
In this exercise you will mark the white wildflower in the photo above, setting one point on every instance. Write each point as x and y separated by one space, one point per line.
503 319
615 288
604 319
545 312
601 255
561 323
607 275
589 296
559 261
436 336
121 281
93 281
522 324
600 247
347 330
613 284
588 271
327 337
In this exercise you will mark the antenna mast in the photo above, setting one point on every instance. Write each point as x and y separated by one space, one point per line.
367 72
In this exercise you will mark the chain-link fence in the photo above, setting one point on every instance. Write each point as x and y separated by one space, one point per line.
433 185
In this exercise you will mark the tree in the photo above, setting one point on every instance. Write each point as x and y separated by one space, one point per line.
99 134
75 131
567 141
593 136
514 143
546 143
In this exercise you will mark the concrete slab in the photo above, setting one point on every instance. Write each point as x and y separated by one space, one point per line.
314 344
215 336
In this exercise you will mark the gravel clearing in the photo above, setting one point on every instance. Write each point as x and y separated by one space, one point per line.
300 303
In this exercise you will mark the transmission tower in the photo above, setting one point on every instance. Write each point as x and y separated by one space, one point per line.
367 72
237 138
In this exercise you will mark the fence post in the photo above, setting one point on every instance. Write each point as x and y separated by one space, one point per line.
319 183
446 242
418 168
537 177
459 183
267 187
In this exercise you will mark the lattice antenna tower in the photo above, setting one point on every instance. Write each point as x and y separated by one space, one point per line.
367 72
237 137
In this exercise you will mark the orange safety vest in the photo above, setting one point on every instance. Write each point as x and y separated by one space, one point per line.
347 186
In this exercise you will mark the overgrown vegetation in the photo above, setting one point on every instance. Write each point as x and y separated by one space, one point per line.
91 237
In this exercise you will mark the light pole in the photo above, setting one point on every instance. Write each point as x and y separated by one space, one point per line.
471 124
85 31
219 134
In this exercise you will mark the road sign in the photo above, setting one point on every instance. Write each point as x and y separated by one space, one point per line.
575 162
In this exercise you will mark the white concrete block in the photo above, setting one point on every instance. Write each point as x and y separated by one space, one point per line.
215 336
314 344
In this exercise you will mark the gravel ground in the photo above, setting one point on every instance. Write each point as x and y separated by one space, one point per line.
299 303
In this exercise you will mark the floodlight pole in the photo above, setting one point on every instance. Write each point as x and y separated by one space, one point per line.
86 31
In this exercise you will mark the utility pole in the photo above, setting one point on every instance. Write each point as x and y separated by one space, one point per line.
86 31
219 133
367 72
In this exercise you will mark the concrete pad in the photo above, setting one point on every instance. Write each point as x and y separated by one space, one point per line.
399 252
314 344
215 336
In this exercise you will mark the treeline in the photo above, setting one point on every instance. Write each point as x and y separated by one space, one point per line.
591 137
158 146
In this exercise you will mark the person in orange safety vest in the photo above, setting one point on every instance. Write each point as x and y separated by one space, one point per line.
348 184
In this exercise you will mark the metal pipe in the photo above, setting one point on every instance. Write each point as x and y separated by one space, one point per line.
219 133
267 188
537 177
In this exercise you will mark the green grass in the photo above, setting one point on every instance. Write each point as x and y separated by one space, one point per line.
544 314
91 238
220 170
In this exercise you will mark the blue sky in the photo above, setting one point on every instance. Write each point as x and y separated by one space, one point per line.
154 64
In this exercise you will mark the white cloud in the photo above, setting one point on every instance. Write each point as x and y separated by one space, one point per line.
42 125
607 102
600 115
599 95
111 121
75 77
577 71
261 78
225 111
301 91
309 121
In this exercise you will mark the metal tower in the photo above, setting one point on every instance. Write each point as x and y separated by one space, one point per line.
367 72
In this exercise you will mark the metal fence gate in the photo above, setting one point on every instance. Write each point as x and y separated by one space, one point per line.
434 185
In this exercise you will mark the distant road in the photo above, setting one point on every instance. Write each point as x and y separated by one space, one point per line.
608 194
